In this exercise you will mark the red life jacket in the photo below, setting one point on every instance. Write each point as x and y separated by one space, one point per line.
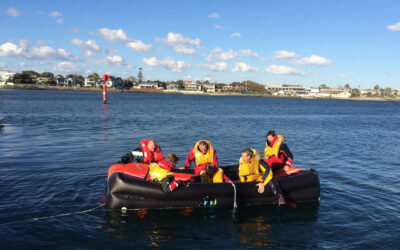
149 156
166 165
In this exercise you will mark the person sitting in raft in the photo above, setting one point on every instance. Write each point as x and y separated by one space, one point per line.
252 168
277 153
202 154
212 174
161 172
148 152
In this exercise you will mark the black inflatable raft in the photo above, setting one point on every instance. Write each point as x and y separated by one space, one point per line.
132 192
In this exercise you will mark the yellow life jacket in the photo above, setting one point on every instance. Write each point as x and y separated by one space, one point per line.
251 171
274 149
217 178
201 158
158 173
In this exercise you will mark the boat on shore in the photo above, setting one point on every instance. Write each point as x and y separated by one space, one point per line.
127 188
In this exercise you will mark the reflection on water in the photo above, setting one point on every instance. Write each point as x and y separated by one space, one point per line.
247 226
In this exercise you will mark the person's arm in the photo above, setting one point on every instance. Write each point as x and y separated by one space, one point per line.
289 156
215 161
189 159
266 178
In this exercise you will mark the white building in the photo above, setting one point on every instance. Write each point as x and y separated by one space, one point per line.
5 76
192 86
287 89
89 82
209 87
147 85
172 86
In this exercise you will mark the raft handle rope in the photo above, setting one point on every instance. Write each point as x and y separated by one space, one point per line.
234 196
56 216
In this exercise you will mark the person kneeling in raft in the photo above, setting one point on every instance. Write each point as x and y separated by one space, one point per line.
252 168
202 154
161 172
148 152
212 174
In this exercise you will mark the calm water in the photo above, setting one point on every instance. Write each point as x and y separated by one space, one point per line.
56 147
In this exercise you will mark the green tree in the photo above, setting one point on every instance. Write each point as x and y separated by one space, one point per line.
376 88
47 74
180 84
388 92
94 76
347 86
355 93
254 86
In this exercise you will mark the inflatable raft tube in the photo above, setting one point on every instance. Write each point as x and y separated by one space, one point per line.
126 187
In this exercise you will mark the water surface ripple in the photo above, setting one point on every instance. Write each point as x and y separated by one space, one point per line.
56 147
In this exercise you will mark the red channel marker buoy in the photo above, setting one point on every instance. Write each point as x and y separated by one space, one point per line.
105 78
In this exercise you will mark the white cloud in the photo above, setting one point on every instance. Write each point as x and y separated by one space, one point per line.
89 47
313 60
394 27
67 68
236 35
218 66
55 14
64 53
213 15
181 49
25 51
168 63
10 49
137 45
218 54
76 30
244 67
113 35
217 26
13 12
173 39
188 77
248 52
113 60
282 70
60 21
283 54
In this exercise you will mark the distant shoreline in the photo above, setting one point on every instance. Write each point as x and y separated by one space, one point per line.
83 89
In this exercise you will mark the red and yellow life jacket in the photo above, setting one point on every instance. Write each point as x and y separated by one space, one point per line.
149 156
273 149
158 171
201 158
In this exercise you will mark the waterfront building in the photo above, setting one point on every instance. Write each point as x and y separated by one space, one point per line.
59 80
209 87
147 85
68 81
89 82
340 93
238 86
172 86
287 89
5 75
312 91
192 86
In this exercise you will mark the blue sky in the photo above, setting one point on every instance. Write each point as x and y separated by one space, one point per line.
294 42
